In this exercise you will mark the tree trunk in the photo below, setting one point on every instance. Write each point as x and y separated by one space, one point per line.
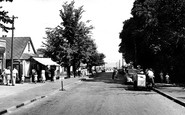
74 70
68 71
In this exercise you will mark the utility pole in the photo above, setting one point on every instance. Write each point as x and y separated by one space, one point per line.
11 71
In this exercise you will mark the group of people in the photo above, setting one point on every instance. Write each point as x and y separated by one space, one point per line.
43 75
46 74
6 76
165 78
150 76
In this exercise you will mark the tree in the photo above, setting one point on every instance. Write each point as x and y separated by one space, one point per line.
41 51
4 18
151 40
67 43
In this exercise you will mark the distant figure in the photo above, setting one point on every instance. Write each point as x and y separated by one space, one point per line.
43 77
14 76
22 79
161 77
34 76
167 77
114 73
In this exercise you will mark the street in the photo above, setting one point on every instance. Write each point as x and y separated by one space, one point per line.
102 96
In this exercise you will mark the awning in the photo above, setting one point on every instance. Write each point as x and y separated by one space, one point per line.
46 61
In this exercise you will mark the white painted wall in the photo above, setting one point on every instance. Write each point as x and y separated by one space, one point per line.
26 50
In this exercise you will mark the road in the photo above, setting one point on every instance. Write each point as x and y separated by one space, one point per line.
102 96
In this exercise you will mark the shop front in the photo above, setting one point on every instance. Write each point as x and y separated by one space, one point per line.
2 54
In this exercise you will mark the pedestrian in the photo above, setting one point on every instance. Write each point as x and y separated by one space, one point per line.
14 76
4 76
43 77
34 76
151 77
48 73
8 77
167 77
114 73
22 79
161 76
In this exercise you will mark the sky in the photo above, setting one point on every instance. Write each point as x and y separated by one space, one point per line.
107 17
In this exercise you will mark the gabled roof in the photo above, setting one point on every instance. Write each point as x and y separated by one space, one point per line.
19 45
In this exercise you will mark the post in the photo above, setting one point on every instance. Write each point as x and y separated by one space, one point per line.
12 48
62 85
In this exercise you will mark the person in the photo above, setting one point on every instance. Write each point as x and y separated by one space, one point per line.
48 73
43 77
161 76
14 75
151 76
167 77
114 73
22 79
34 76
7 74
4 76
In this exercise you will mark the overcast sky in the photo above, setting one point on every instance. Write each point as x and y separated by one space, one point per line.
106 16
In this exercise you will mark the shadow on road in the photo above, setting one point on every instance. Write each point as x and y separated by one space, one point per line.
106 77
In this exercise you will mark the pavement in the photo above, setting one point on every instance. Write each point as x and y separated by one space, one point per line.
13 97
172 91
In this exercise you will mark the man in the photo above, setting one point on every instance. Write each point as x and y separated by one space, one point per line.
7 74
151 76
14 75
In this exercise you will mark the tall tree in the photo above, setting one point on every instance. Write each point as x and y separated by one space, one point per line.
155 35
66 43
4 18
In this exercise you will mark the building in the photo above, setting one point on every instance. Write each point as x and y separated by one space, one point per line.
2 54
25 57
23 50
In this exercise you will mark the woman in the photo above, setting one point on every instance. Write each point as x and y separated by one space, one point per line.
43 76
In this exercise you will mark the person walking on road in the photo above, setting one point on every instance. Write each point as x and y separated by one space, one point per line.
114 73
14 76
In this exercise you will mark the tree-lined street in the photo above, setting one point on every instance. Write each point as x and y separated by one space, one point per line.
103 96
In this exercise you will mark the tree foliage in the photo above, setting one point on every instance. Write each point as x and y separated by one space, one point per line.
4 18
155 35
70 43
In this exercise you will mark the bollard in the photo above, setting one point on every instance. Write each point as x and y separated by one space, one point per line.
62 85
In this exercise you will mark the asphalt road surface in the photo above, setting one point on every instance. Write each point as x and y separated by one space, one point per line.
102 96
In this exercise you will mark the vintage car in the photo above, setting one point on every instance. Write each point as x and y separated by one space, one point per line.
138 78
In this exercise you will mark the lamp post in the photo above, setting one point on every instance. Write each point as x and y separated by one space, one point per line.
11 71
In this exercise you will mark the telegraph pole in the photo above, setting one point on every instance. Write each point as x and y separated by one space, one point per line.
11 71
